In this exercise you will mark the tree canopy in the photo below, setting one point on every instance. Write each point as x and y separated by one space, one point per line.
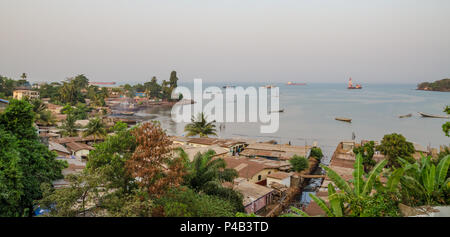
25 163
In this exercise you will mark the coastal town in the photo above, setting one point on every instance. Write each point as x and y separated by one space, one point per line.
269 179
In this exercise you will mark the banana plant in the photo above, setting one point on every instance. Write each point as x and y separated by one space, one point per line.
425 180
361 187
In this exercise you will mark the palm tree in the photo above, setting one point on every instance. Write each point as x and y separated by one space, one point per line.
43 116
23 76
96 128
200 126
207 174
69 127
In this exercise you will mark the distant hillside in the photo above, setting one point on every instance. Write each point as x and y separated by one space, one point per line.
441 85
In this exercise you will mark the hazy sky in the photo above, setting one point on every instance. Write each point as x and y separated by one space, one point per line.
401 41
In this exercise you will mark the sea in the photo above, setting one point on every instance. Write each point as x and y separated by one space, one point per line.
310 111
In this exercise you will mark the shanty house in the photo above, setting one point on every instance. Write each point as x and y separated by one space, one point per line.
279 177
255 197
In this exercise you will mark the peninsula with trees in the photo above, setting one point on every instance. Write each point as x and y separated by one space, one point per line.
440 85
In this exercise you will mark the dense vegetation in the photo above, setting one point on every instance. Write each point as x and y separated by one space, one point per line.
440 85
135 173
299 163
365 195
25 163
75 90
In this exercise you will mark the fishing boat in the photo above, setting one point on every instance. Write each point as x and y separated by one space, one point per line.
290 83
269 86
348 120
228 86
126 113
405 116
433 115
350 85
278 111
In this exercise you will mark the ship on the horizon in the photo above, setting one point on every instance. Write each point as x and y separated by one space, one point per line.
350 85
290 83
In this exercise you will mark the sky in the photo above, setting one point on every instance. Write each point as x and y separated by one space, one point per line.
382 41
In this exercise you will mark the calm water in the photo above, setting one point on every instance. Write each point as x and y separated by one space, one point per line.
310 111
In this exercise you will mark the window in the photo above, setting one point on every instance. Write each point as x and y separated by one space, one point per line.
259 177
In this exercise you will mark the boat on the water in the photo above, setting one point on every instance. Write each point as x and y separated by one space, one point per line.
228 86
433 115
290 83
350 85
279 111
126 113
405 116
348 120
269 86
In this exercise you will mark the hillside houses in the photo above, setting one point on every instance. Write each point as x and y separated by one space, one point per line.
275 151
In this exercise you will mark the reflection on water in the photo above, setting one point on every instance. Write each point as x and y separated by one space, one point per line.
310 111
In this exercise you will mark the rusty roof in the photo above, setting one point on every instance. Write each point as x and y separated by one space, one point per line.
279 175
209 141
244 166
280 151
76 146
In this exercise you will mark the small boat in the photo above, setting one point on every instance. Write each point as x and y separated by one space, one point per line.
126 113
269 86
279 111
290 83
228 86
348 120
405 116
433 115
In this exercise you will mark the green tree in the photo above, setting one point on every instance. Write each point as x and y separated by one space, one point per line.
200 126
207 174
23 76
25 163
96 128
367 151
185 202
50 91
394 146
69 128
109 159
43 115
299 163
153 88
316 152
7 86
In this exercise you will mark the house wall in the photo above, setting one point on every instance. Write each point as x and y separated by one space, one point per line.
286 182
81 153
263 174
259 204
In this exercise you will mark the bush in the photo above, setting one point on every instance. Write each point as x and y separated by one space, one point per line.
299 163
395 146
378 205
316 152
185 202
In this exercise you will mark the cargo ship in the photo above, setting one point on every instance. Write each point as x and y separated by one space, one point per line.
350 85
290 83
